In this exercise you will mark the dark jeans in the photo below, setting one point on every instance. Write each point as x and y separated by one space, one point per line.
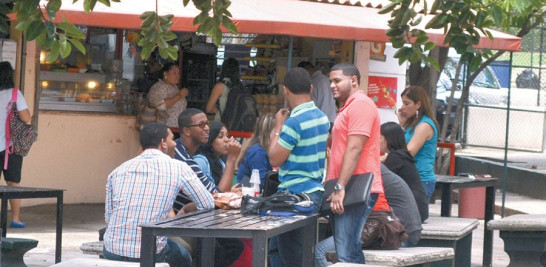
227 251
287 249
173 254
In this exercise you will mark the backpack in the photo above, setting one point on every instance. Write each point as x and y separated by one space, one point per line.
240 112
279 204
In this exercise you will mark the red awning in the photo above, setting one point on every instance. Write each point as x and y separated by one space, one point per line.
278 17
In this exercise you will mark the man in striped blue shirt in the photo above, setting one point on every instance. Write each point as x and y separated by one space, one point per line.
142 190
194 131
298 147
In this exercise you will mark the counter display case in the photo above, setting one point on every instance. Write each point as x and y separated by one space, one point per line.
77 92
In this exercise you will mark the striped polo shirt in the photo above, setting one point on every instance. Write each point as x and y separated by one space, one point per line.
304 133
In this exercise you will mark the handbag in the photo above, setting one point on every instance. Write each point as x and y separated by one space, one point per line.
283 204
148 113
383 230
18 133
357 191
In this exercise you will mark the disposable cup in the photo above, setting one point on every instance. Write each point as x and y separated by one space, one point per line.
248 191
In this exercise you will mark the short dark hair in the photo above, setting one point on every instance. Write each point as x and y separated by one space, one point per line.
394 135
306 65
6 76
152 134
184 119
298 81
347 69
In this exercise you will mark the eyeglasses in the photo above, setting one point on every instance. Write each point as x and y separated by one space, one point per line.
200 125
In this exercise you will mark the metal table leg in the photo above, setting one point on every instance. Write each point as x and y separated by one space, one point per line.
446 201
4 215
147 248
207 251
309 238
59 233
488 234
260 249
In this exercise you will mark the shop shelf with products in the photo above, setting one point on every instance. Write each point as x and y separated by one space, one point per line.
77 92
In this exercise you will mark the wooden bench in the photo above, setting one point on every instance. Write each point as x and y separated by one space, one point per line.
92 248
524 238
13 250
450 232
414 256
83 262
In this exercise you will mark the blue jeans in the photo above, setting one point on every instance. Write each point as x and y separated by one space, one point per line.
347 229
173 253
287 249
429 188
320 251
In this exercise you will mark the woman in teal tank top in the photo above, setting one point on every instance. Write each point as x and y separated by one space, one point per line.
421 132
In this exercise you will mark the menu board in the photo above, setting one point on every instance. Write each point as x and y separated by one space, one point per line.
382 90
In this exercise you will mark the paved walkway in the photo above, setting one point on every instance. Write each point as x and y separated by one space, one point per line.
81 223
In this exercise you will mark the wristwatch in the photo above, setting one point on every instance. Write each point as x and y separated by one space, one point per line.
339 187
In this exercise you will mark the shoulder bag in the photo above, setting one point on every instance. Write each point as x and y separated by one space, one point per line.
383 230
19 134
148 113
357 191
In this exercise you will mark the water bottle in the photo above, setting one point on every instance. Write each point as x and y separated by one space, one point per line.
255 182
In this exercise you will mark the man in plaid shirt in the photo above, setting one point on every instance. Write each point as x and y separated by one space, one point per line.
142 190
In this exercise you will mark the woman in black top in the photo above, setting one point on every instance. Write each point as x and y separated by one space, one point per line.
399 160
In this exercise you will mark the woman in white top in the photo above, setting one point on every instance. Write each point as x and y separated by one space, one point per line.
15 162
165 95
229 77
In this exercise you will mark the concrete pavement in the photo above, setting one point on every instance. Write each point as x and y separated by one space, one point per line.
81 223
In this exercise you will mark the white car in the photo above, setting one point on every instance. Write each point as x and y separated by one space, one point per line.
484 90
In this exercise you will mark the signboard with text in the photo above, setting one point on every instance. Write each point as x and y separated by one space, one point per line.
382 90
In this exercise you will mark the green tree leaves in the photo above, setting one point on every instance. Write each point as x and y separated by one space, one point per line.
155 34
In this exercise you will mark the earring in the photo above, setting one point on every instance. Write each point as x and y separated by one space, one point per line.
417 114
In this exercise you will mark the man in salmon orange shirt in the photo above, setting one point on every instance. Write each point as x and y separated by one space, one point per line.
355 150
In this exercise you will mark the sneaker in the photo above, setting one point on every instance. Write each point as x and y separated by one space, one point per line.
15 224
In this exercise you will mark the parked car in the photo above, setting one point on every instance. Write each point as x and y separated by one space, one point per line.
484 90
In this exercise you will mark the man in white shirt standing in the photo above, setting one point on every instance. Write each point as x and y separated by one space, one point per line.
321 94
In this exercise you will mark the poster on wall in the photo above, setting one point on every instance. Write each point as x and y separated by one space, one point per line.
382 90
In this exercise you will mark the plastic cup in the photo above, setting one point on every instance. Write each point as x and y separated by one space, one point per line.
248 191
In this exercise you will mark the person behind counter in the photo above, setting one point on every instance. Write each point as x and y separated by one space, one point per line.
15 162
255 155
421 132
166 96
229 77
209 156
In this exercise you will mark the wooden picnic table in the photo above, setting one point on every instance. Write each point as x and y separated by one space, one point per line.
208 225
447 183
16 192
